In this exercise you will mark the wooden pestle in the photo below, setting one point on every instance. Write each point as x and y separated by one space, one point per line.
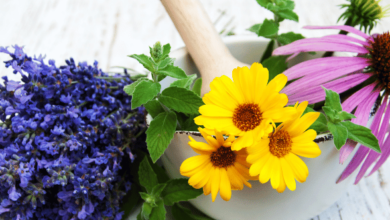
204 44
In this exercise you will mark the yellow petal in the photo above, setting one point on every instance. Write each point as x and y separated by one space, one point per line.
215 111
308 149
200 178
288 174
219 138
278 82
235 181
275 175
243 141
207 186
216 179
257 167
193 163
201 146
214 99
238 173
282 184
213 122
298 166
308 135
233 90
225 188
265 173
303 123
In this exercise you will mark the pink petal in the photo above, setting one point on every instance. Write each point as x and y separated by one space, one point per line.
356 98
312 66
322 76
372 156
343 38
317 94
384 155
318 44
346 150
355 162
341 27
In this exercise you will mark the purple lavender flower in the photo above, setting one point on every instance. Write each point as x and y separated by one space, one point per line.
371 65
66 133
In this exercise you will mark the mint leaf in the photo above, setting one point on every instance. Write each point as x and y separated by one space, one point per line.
289 37
144 60
189 124
179 212
181 100
165 62
268 29
332 100
288 14
268 51
153 107
362 135
331 113
275 65
320 125
146 210
178 190
160 77
339 132
160 133
166 50
129 89
157 189
146 175
197 86
263 3
255 28
184 83
344 116
151 200
144 92
172 71
159 212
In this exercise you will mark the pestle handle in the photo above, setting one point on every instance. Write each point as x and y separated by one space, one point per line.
204 44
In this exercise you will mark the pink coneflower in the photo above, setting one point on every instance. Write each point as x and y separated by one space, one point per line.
368 73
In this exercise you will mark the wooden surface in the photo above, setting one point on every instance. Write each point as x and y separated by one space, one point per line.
108 31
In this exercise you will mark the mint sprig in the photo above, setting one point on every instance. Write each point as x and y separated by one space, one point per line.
161 193
164 106
341 128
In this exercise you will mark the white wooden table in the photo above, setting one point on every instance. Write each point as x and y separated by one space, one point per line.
108 31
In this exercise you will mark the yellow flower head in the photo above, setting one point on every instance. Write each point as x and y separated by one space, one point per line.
218 167
275 157
245 107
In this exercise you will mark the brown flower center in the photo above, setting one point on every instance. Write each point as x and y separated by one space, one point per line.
223 157
247 117
279 143
380 58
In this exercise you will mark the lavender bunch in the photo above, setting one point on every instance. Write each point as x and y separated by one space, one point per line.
66 140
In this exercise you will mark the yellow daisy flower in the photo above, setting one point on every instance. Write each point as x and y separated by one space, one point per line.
245 107
218 167
275 157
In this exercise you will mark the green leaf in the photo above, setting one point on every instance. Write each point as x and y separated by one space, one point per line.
263 3
129 89
362 135
268 51
144 92
144 60
179 213
339 132
331 113
345 116
275 65
165 62
255 28
332 99
166 50
288 14
151 200
157 189
289 37
153 107
146 210
181 100
197 86
178 190
160 77
130 200
159 212
184 83
146 175
172 71
160 133
189 124
139 216
320 125
268 29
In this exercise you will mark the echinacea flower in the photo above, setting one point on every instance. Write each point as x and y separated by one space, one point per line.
275 157
218 167
368 72
245 107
